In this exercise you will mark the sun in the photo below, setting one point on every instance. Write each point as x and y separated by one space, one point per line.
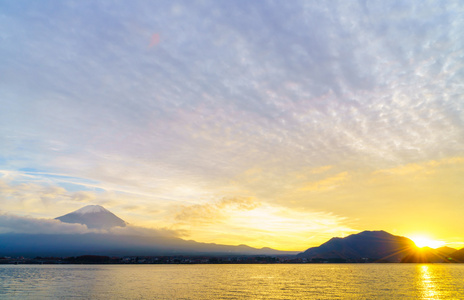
423 241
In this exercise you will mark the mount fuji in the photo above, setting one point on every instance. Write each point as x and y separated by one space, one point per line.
94 217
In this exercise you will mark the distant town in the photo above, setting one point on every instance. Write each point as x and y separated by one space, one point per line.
97 259
185 259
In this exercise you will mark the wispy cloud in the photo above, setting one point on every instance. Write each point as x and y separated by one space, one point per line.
425 168
215 212
327 183
35 194
322 169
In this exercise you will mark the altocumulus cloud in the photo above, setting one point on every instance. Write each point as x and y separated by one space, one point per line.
327 84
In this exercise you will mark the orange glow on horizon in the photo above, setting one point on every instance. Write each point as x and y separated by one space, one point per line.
424 241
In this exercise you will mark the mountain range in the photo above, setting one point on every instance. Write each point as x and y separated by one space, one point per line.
112 243
366 246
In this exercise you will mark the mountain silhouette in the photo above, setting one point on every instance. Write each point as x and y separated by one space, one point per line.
94 217
61 245
364 246
446 250
457 256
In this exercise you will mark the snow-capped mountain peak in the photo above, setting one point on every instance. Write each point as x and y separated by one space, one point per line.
90 209
93 216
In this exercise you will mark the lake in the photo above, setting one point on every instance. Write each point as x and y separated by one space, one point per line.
271 281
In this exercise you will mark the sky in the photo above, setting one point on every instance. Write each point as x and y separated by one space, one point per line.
268 123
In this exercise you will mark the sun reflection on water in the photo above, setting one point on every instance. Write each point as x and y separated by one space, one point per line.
427 282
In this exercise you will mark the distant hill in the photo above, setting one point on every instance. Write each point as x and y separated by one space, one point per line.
457 256
31 245
94 217
446 250
367 245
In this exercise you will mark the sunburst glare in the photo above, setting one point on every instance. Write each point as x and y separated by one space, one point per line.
424 241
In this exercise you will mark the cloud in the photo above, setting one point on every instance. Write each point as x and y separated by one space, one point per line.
20 224
25 224
322 169
83 196
147 232
216 212
425 168
27 190
327 183
334 81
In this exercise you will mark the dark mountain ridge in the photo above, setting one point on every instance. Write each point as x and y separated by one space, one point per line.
372 245
457 256
379 246
31 245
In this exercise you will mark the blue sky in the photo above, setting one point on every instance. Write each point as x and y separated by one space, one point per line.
296 106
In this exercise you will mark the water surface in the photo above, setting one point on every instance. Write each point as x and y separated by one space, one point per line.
273 281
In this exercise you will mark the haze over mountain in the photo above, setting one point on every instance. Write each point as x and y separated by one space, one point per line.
30 245
94 217
114 238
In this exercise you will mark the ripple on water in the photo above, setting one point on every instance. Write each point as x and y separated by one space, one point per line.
279 281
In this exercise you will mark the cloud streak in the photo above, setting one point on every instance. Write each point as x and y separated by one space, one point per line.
327 183
421 168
